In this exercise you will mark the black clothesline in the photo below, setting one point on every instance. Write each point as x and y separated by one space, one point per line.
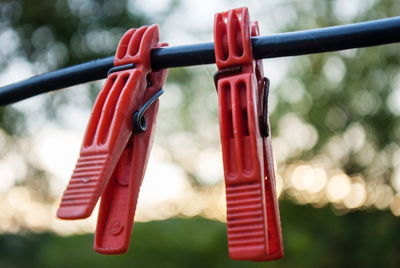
357 35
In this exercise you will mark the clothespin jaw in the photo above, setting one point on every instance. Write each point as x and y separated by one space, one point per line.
235 46
117 143
253 223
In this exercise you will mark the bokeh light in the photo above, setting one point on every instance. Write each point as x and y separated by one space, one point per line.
330 138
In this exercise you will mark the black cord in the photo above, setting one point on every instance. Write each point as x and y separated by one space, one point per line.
370 33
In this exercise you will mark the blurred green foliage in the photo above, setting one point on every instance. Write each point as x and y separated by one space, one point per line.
335 92
332 92
359 239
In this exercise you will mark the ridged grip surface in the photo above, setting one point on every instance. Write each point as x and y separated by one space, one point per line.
82 191
246 220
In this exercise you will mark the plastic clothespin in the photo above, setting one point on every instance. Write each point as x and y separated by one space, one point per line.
117 143
253 222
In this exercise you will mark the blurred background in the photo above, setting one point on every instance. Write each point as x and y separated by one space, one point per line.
334 120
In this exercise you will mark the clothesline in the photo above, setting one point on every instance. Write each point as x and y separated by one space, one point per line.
357 35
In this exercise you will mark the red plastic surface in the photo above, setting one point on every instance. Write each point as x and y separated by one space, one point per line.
118 202
112 161
232 44
253 222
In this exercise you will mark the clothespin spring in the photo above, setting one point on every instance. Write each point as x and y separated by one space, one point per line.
139 122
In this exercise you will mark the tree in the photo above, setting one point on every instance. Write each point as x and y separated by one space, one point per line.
334 116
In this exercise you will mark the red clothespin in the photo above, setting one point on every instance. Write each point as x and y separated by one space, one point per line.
253 222
117 143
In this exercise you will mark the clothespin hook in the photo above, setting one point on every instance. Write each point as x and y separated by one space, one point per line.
139 121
